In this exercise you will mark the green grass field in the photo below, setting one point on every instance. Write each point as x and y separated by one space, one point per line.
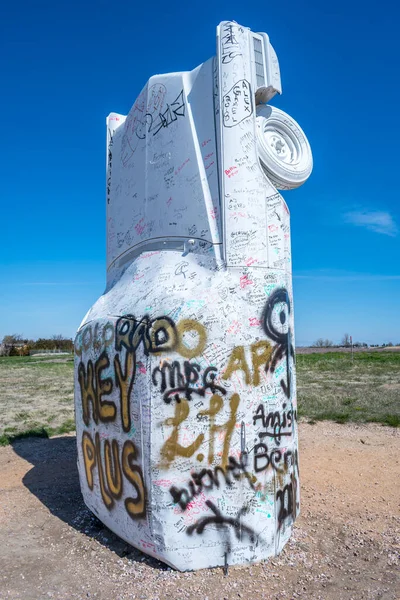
36 396
365 389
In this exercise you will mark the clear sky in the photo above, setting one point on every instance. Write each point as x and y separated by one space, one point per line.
66 65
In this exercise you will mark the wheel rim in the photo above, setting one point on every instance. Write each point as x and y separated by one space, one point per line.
279 142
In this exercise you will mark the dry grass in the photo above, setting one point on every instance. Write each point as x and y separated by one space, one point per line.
36 395
365 389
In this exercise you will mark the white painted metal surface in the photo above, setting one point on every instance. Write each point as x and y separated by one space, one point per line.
185 378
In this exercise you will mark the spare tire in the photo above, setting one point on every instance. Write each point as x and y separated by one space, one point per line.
283 149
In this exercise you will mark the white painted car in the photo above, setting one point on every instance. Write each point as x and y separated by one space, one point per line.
185 386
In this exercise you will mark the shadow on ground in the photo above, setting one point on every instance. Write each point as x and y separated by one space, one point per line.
54 480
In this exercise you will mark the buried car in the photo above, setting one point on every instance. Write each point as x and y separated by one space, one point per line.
185 388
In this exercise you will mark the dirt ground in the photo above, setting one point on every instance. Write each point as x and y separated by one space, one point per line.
346 542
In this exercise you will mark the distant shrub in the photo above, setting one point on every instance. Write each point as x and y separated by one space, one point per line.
321 343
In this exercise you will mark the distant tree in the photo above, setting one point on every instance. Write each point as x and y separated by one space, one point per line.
57 339
389 344
15 345
12 340
10 345
345 340
321 343
4 350
41 344
56 342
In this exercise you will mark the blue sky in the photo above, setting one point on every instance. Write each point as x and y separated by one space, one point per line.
66 65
